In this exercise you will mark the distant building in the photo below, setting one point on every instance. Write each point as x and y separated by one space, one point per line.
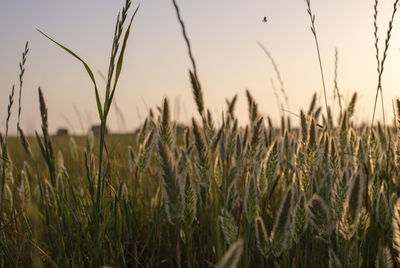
62 131
96 129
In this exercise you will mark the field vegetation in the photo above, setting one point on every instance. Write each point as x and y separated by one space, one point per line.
325 193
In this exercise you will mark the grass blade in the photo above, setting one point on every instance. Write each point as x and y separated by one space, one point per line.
88 70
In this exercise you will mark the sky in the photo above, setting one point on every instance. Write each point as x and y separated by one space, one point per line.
223 36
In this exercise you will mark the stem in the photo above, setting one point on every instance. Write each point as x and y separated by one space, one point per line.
4 154
336 89
381 63
217 224
322 71
100 178
313 30
22 69
178 14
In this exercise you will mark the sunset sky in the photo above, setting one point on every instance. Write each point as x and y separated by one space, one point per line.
223 35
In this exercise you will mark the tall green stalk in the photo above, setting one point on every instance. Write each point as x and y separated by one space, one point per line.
114 71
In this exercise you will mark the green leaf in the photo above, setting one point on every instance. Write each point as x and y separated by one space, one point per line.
88 70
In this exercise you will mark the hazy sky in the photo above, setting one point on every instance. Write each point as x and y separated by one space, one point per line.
223 34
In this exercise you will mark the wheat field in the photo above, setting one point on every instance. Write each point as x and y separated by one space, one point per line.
323 192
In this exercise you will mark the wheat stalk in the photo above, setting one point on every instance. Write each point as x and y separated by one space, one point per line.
314 32
232 256
381 61
21 75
